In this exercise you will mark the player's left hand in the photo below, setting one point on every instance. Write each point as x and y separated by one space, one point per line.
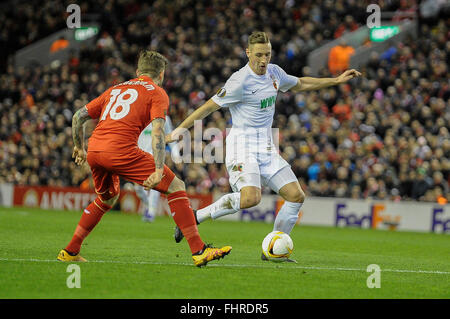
79 154
153 180
348 75
175 135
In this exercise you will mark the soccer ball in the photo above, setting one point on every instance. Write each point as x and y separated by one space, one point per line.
277 246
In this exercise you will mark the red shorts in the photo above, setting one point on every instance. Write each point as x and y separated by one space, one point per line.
135 166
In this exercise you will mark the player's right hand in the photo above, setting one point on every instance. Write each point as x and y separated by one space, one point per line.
79 154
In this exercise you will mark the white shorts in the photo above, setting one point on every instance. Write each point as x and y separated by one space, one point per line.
274 171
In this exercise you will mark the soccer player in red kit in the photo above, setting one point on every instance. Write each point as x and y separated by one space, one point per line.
123 111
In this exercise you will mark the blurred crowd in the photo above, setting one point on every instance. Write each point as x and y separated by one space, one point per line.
383 136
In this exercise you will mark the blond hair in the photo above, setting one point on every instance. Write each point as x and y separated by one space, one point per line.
258 37
151 63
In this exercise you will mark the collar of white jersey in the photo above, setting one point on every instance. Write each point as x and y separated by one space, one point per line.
257 75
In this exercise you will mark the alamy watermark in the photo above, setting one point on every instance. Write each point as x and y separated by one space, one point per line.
210 145
374 280
374 19
74 279
74 19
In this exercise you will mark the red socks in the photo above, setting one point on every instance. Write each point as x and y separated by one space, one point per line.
90 218
179 206
184 218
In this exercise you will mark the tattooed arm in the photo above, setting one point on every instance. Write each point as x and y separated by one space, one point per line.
78 120
159 152
158 143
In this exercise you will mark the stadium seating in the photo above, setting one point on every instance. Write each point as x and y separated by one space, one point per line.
383 136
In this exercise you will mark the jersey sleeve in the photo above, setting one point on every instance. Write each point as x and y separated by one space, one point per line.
160 105
286 81
230 94
94 108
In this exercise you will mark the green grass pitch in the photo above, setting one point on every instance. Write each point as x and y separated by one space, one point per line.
132 259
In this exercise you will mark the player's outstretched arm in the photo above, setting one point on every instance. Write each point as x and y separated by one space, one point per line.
310 84
199 114
158 147
174 149
78 120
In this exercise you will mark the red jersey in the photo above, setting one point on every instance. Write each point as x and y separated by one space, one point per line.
124 110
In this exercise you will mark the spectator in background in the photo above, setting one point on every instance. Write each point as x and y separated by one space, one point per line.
59 44
342 111
349 25
406 11
390 52
339 57
420 185
438 181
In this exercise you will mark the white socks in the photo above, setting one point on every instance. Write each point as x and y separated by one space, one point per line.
150 199
227 204
287 217
142 194
153 202
230 204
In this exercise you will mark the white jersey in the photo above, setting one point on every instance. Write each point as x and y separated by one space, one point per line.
251 100
251 97
145 138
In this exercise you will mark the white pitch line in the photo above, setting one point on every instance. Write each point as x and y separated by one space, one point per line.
437 272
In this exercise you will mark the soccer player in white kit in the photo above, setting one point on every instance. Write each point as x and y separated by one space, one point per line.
251 155
150 198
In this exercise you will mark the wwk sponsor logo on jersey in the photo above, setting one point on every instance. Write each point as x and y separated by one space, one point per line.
268 102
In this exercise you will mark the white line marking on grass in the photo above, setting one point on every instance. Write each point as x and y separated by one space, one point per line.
18 212
269 266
